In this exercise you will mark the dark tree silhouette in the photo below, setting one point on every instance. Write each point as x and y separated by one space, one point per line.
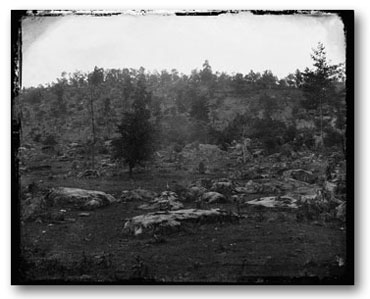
137 133
318 87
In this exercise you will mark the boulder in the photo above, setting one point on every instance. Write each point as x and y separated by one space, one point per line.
223 186
138 194
242 190
168 200
32 207
275 202
213 197
174 219
194 192
81 198
250 188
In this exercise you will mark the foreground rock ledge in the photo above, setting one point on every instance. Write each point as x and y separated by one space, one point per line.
174 219
81 198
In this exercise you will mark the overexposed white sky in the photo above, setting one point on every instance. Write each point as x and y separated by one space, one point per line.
231 42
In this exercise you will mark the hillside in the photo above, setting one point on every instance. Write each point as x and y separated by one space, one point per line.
184 107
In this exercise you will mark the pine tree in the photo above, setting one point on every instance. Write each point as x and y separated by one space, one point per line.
318 87
137 141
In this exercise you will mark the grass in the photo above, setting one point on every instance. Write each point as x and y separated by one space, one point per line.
266 246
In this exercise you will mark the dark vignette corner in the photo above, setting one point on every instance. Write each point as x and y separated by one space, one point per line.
16 81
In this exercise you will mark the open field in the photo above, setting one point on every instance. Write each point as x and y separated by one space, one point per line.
266 245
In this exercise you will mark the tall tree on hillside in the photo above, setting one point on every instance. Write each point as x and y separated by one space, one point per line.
137 141
298 78
317 86
206 75
268 80
94 79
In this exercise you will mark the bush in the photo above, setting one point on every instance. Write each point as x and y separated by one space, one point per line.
270 132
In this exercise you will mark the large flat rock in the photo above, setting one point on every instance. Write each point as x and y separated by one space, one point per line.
174 219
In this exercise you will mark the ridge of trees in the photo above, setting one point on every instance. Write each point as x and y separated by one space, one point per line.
205 106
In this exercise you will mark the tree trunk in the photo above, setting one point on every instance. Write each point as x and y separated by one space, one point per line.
93 129
321 123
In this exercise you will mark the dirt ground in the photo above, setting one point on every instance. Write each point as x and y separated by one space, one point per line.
266 246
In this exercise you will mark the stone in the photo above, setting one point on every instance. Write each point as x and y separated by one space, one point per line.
79 197
84 214
275 202
223 186
174 219
213 197
32 207
194 192
168 200
138 194
89 173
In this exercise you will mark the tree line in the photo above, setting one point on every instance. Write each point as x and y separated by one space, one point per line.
141 111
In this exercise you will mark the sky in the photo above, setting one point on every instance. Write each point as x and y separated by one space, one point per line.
232 43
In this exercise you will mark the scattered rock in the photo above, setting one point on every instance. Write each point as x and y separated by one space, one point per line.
340 261
223 186
138 194
174 219
168 200
89 173
194 192
32 207
79 197
330 187
250 188
244 190
213 197
275 202
84 214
